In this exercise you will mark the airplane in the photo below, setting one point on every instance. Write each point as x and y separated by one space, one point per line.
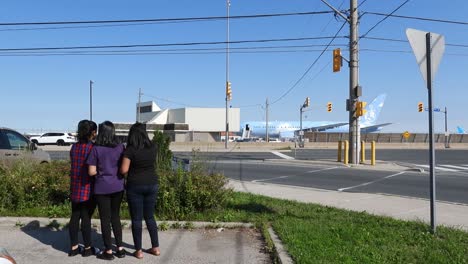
288 129
460 130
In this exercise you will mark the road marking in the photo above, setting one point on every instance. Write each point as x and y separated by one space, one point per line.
279 154
280 177
437 168
455 167
367 183
322 169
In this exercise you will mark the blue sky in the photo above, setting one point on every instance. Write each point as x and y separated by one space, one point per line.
52 92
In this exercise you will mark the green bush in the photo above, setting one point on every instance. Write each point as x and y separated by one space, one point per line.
43 189
25 185
164 155
183 193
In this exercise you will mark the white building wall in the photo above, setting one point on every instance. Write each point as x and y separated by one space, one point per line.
176 116
212 119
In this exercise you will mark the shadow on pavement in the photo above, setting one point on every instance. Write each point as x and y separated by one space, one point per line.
59 239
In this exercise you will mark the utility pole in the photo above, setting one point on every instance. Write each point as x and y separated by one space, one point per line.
138 108
301 110
446 130
354 89
226 137
300 130
267 136
91 100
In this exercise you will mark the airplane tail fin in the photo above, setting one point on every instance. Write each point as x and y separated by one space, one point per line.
460 130
373 111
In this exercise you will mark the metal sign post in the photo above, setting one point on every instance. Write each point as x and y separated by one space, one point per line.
428 55
431 132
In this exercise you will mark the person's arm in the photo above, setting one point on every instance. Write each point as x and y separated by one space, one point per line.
92 170
125 165
92 162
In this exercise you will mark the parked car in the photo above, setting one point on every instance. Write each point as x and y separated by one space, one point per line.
14 145
60 139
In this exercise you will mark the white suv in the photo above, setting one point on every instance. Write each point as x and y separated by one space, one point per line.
60 139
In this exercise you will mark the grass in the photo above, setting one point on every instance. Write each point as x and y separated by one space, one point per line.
318 234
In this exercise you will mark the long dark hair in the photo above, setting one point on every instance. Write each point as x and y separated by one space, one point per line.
138 137
106 135
84 131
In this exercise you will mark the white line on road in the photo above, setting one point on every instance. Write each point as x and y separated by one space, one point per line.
455 167
437 168
279 154
280 177
322 169
367 183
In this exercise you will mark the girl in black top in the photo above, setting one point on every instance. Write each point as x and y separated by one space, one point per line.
142 186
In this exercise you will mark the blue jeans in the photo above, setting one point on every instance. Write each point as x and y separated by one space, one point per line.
141 202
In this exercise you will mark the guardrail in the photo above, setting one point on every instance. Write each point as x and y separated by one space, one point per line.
386 137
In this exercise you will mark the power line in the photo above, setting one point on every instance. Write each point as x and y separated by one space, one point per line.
255 49
167 44
420 18
310 67
193 49
378 23
96 26
361 3
169 101
406 41
162 19
149 53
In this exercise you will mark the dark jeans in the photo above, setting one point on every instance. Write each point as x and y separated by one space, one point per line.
141 202
83 211
109 212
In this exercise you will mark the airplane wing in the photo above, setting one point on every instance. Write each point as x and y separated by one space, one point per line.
323 128
374 127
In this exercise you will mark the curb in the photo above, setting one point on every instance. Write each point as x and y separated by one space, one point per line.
37 222
282 254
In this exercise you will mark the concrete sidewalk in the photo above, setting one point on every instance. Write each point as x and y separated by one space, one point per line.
405 208
36 243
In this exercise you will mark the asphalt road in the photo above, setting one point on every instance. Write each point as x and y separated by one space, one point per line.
451 171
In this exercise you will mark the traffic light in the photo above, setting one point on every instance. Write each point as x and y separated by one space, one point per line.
360 111
329 107
420 107
337 60
228 91
307 102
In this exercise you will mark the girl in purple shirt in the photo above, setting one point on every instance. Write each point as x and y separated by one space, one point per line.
104 161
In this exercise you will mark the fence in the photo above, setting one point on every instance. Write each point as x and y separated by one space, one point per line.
385 137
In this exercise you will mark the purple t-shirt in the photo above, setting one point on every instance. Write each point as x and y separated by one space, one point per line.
107 160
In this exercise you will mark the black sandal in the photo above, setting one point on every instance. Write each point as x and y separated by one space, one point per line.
74 252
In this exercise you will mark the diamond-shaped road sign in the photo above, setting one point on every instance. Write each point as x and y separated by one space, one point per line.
417 39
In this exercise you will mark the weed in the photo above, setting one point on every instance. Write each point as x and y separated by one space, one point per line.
163 226
189 225
19 224
176 225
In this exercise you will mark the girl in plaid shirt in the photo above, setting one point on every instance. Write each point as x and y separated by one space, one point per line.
81 186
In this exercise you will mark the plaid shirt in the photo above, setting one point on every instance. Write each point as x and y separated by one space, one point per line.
80 182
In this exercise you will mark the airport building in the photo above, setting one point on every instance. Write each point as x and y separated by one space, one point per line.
185 124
